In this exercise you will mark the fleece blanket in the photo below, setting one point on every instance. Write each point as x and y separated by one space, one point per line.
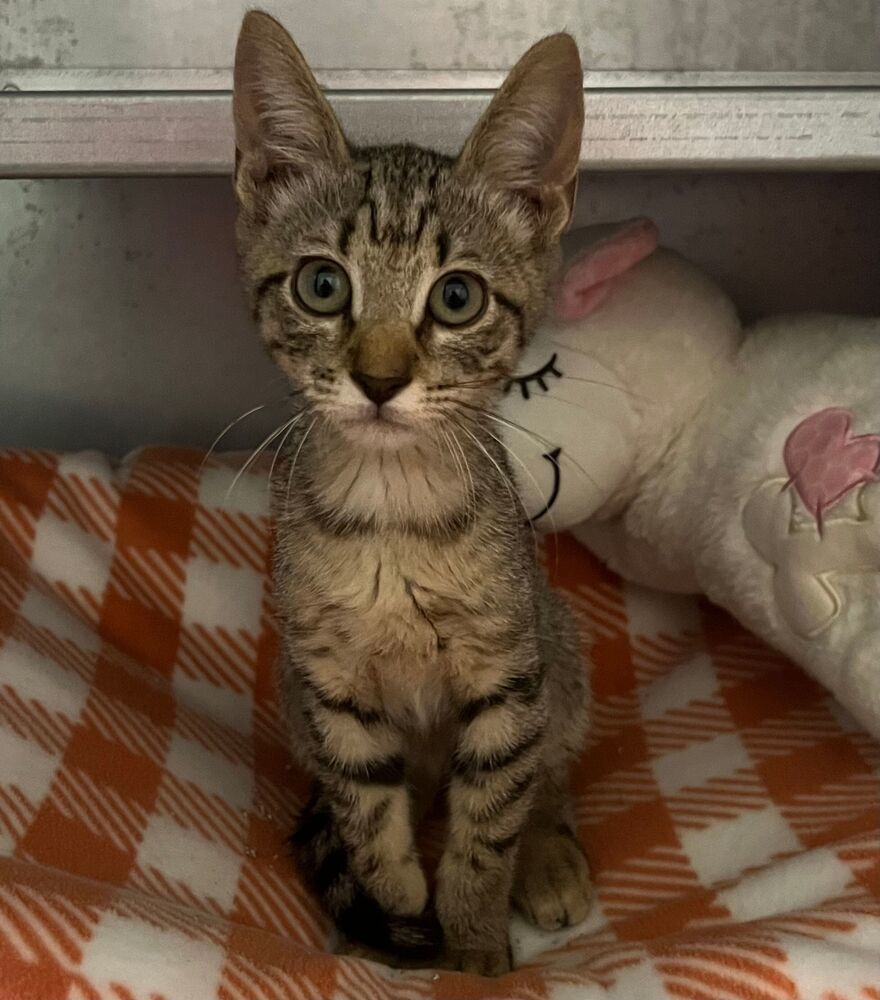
730 809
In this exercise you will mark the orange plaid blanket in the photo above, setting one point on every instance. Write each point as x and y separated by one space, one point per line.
730 809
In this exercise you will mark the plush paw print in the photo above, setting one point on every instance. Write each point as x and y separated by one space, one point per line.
825 460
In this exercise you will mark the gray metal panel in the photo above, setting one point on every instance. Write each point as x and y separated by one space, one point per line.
121 319
102 133
467 34
118 296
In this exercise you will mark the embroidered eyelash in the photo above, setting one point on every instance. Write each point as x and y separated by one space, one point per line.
538 376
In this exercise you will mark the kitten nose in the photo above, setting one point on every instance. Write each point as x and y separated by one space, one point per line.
380 389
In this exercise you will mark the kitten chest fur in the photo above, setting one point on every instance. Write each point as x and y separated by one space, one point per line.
396 619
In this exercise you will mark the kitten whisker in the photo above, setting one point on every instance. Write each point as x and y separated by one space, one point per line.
599 382
244 416
290 429
534 481
511 489
468 472
538 438
526 470
572 378
295 459
470 384
255 454
227 429
464 472
562 399
529 520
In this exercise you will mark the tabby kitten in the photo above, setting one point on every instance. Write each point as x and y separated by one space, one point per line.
396 287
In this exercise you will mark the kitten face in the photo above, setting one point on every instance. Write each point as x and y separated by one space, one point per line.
400 295
396 287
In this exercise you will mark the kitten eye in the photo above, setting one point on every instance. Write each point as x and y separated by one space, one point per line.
322 286
457 298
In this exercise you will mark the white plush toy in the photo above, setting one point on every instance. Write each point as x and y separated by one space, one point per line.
694 457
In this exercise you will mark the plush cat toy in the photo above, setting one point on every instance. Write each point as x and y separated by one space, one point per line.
693 457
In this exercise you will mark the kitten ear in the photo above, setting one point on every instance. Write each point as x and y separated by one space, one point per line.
282 120
529 138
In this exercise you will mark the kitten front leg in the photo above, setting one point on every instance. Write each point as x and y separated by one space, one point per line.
355 840
497 757
552 883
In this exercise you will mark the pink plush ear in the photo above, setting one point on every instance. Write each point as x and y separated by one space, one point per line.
589 279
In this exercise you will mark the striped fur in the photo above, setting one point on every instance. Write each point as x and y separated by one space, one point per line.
424 649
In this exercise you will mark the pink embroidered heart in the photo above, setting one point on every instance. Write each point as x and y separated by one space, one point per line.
824 461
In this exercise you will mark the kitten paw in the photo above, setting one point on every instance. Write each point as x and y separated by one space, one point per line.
552 887
480 961
401 889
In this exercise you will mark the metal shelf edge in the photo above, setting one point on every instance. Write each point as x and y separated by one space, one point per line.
90 134
133 79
